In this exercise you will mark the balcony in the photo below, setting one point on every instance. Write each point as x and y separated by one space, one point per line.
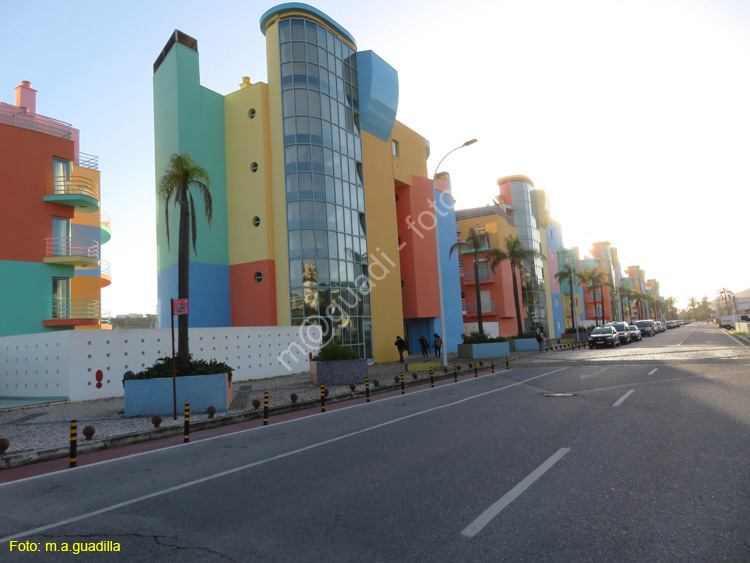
75 191
106 227
106 273
89 161
74 312
484 276
11 115
82 253
487 307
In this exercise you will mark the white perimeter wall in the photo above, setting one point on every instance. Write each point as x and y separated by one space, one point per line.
490 329
65 363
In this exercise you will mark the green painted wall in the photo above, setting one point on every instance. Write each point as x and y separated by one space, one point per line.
27 292
190 118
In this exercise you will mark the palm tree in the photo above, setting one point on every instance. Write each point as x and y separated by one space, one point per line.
568 274
517 254
725 295
693 303
477 244
629 294
175 184
670 303
594 279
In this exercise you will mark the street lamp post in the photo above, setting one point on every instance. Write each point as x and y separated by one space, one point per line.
439 269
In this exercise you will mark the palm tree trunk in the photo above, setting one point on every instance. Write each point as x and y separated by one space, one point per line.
183 285
515 298
479 293
572 307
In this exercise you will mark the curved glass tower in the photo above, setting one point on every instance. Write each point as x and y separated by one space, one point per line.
325 199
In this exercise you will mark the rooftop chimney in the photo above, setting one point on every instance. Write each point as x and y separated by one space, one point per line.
26 96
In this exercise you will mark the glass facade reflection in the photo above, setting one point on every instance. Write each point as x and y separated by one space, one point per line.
324 183
526 218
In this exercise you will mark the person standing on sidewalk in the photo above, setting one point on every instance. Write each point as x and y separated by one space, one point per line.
438 345
542 339
425 346
401 346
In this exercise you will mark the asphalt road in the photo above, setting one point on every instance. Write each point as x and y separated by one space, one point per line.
635 462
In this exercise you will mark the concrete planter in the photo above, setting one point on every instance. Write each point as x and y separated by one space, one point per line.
146 397
339 372
484 351
524 345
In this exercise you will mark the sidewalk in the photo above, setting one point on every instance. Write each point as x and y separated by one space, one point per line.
42 432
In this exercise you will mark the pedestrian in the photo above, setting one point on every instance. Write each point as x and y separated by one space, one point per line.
542 339
425 346
438 345
401 346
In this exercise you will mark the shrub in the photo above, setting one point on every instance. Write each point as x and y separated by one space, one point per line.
163 368
335 352
478 338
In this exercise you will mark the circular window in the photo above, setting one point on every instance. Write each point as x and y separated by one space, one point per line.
256 221
258 277
251 113
254 167
396 197
402 283
463 295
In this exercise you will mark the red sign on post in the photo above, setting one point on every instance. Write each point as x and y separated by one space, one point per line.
180 307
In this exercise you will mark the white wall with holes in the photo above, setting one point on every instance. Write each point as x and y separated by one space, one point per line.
70 364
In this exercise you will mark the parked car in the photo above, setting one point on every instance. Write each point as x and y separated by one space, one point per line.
604 336
635 333
647 327
622 331
672 324
660 326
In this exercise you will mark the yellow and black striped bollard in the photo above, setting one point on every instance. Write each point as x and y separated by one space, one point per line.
432 378
475 368
455 373
367 388
73 443
507 361
187 424
265 409
403 387
492 363
322 398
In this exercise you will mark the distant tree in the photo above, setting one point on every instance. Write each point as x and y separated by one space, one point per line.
568 275
517 254
726 296
594 279
182 174
477 244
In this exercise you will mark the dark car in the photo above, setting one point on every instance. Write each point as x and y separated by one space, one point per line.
604 336
635 333
648 328
622 331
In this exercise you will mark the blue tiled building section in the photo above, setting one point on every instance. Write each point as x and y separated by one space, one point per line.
209 295
446 232
554 242
304 9
378 95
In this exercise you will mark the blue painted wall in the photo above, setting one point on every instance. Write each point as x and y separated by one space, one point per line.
209 294
446 234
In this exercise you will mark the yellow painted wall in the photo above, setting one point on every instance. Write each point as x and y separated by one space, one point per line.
250 194
278 182
412 159
382 233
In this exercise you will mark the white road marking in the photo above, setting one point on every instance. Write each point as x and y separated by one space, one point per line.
162 492
621 400
486 517
653 371
684 339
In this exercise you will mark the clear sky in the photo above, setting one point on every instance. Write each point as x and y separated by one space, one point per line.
633 116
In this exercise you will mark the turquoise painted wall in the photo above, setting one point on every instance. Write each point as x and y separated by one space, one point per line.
190 118
27 291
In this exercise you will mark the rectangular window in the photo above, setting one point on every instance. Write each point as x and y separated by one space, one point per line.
60 298
395 147
60 174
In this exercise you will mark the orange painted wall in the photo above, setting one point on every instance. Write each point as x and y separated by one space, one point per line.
417 255
253 303
25 218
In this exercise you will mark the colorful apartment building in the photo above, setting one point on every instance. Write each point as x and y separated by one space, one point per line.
529 209
570 257
51 225
554 243
323 211
496 297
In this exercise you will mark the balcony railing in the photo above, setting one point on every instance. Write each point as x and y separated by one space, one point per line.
35 122
88 161
73 185
487 307
106 227
81 253
483 276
